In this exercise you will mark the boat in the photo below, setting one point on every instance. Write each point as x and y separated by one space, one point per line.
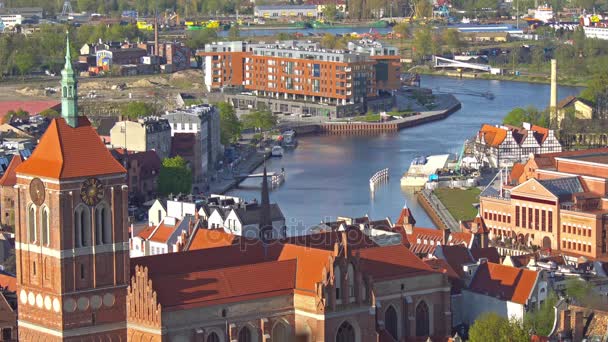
319 24
379 24
277 151
289 139
422 168
303 24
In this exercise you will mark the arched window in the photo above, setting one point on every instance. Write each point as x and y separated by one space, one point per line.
82 226
338 282
422 319
280 333
65 91
31 223
46 234
245 335
390 321
103 224
346 333
213 337
351 281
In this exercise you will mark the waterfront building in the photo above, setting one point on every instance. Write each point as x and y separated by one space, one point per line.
596 32
195 131
557 203
150 133
503 146
285 11
302 78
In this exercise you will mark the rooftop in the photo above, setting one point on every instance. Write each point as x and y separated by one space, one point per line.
504 282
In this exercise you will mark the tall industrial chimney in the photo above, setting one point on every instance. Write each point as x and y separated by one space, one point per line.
553 101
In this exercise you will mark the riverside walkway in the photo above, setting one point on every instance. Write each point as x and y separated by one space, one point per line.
439 214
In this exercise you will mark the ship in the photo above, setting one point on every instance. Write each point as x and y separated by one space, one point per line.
422 168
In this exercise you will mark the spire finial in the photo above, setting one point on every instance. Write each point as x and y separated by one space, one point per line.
68 53
404 204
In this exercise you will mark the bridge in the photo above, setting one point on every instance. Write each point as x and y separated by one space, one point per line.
259 175
445 63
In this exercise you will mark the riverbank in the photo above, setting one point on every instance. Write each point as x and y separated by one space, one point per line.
226 181
576 82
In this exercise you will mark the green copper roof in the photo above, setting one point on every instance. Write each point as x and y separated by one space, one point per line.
68 53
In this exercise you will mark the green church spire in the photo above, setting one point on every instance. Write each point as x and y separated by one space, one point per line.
69 89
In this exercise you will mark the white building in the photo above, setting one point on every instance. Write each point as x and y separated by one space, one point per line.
11 20
596 32
507 291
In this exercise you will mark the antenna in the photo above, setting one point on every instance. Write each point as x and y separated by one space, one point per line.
67 8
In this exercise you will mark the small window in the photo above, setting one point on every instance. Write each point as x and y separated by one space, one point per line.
81 271
34 268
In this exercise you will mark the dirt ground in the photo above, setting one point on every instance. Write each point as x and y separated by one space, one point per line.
148 88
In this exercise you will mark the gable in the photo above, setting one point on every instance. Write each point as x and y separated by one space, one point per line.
532 188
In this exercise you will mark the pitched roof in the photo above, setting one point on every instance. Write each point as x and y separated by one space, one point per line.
522 260
9 178
563 186
211 238
355 239
566 101
492 135
180 291
425 240
163 232
540 133
69 152
252 214
391 262
516 172
32 107
490 253
146 232
311 263
8 281
442 266
504 282
106 124
456 257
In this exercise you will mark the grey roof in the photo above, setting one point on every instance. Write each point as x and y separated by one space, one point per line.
251 214
563 186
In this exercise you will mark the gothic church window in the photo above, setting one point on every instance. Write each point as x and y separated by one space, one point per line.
213 338
422 319
346 333
31 223
390 319
338 282
82 226
351 281
245 335
280 333
46 236
103 224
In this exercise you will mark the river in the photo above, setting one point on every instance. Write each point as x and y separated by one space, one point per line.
327 176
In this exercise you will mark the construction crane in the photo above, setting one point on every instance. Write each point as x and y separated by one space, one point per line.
171 19
67 9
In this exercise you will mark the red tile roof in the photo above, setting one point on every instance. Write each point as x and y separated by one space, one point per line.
504 282
442 266
32 107
8 281
163 232
356 239
540 133
66 152
516 172
9 178
146 232
456 257
391 262
493 136
180 291
311 263
425 240
490 253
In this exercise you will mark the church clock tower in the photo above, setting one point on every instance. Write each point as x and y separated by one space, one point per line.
71 235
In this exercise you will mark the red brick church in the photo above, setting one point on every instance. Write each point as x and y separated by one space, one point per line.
76 281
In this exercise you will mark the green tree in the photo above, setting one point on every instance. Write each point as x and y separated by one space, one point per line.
452 39
198 39
492 327
175 176
138 109
260 119
580 290
230 126
530 114
423 42
597 93
19 114
330 12
50 113
541 320
329 41
24 62
403 29
234 33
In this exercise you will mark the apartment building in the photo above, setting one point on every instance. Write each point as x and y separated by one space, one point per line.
558 203
303 78
151 133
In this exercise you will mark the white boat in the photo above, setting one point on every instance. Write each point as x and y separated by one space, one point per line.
423 167
277 151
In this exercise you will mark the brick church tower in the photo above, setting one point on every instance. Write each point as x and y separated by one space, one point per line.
71 236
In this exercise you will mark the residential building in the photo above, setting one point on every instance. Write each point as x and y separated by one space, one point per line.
558 203
26 12
582 109
302 78
107 58
8 307
7 192
11 20
143 169
202 122
500 146
507 291
285 11
151 133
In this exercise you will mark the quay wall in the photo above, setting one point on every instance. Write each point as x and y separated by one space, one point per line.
428 207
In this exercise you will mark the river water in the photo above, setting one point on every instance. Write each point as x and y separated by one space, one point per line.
328 176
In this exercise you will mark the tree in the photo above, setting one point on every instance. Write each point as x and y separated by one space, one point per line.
330 12
24 62
50 113
530 114
19 114
175 176
423 42
230 126
402 29
137 109
492 327
580 290
597 93
259 119
452 39
234 33
329 41
541 320
198 39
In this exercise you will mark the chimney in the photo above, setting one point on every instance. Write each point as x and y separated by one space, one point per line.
553 101
564 320
446 237
579 326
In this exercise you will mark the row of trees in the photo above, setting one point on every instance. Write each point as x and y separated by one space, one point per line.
231 127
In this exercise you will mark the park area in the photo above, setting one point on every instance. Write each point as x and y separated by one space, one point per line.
459 202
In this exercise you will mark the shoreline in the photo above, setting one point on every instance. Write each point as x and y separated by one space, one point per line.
489 77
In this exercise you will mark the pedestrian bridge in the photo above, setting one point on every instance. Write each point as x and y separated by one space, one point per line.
440 62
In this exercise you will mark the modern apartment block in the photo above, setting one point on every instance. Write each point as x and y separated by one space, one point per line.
302 78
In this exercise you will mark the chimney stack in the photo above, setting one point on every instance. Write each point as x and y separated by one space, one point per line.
553 103
446 237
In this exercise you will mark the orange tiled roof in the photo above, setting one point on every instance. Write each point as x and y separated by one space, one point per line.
9 178
66 152
442 266
493 136
211 238
311 263
541 133
504 282
516 172
430 238
146 232
163 232
8 281
391 262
